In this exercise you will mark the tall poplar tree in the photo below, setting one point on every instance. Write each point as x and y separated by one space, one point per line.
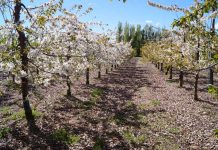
119 32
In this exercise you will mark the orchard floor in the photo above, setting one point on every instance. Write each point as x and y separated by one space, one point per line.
134 107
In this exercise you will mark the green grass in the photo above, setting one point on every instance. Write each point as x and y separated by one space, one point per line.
11 85
99 145
174 130
152 103
5 110
4 132
1 93
131 138
64 136
118 119
129 103
95 95
143 119
21 115
216 133
156 102
143 106
166 143
213 90
97 92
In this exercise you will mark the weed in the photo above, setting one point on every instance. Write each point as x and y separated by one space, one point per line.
174 130
131 138
152 103
143 119
1 93
21 114
213 90
12 85
129 103
156 102
143 106
17 115
119 119
99 145
4 132
5 110
97 92
65 136
216 133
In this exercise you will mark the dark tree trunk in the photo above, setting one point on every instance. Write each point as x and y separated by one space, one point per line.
167 71
181 74
24 65
138 51
68 87
37 71
181 78
158 65
196 86
171 73
99 71
211 81
197 74
106 71
87 76
161 67
112 66
13 78
210 73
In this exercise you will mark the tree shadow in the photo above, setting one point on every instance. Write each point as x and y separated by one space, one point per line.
40 139
208 102
99 122
113 110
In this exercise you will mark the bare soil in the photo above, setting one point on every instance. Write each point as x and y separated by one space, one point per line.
134 107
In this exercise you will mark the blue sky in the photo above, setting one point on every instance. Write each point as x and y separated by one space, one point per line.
133 11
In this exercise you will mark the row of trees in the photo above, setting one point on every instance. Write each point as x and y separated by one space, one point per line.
192 45
137 35
47 42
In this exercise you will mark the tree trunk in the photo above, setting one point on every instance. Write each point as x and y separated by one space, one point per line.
87 76
181 74
112 66
24 65
211 81
106 71
161 67
171 73
13 78
181 78
158 65
37 71
68 87
196 87
167 71
99 71
210 73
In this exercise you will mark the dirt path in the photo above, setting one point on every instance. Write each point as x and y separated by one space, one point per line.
166 114
131 108
196 120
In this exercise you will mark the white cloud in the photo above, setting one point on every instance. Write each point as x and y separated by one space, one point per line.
149 21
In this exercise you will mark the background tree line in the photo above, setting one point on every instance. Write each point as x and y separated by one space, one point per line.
137 35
